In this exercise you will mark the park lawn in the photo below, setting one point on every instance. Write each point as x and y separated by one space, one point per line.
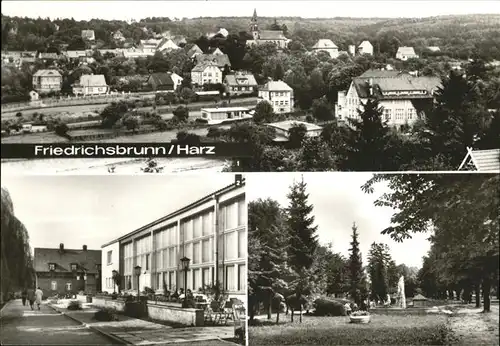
382 330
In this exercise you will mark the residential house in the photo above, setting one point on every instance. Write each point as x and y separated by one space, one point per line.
67 271
206 73
405 53
325 45
91 85
161 81
276 37
403 97
193 51
88 35
118 36
279 95
166 45
240 82
45 81
211 232
220 60
365 48
282 129
177 80
149 46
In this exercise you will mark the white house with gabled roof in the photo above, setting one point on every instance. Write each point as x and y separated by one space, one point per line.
279 95
325 45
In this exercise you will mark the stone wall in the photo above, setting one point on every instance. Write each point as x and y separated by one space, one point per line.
158 311
188 317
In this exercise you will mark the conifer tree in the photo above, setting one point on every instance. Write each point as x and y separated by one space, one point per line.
357 285
303 238
368 141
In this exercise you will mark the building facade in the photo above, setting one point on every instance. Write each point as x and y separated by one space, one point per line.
405 53
240 82
224 114
206 73
365 47
211 232
62 271
279 95
91 85
45 81
404 98
325 45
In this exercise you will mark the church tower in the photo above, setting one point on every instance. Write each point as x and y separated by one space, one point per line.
254 27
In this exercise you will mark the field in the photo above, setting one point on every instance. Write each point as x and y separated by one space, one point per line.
382 330
51 137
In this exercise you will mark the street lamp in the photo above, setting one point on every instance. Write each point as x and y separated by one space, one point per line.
115 273
137 271
185 267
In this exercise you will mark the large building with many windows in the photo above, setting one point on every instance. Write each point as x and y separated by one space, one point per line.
404 98
211 232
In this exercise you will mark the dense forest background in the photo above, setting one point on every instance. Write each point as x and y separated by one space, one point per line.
461 36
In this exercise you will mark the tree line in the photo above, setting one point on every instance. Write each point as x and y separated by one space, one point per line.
16 259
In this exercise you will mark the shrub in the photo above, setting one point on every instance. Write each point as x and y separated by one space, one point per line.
105 315
326 307
75 305
61 129
188 304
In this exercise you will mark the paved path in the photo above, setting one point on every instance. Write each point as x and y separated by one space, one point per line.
472 327
140 332
19 325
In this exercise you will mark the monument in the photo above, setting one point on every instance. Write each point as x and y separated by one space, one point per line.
401 293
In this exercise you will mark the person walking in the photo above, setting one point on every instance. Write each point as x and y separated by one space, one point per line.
31 297
38 297
24 296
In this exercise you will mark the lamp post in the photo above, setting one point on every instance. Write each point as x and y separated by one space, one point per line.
114 273
137 270
185 267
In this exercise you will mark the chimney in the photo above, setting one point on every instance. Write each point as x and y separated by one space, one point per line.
238 179
61 247
84 247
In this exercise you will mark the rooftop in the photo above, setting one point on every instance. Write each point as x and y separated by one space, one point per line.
92 80
276 86
288 124
47 73
220 60
271 35
324 43
483 160
225 109
406 51
86 259
198 202
234 79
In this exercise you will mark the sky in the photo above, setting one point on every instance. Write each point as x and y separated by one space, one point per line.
85 10
338 202
93 210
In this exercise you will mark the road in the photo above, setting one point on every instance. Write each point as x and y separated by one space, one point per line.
21 326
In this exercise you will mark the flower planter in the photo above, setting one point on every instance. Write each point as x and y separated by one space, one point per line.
360 319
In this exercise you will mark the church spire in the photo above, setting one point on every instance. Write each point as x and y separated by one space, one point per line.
254 17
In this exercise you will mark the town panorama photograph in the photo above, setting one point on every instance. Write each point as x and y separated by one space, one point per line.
331 86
